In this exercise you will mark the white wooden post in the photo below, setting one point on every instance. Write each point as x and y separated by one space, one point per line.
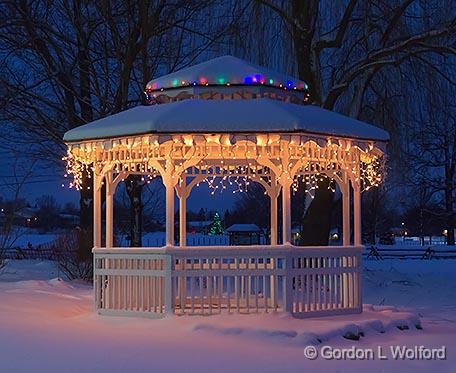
358 291
288 284
182 221
346 211
96 284
168 290
182 214
169 213
347 280
97 209
286 213
109 210
273 197
273 192
357 214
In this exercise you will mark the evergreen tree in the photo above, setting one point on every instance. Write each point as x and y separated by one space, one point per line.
216 227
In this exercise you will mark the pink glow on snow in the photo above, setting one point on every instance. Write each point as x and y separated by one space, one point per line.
48 325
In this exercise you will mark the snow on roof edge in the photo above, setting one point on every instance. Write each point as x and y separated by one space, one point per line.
241 117
221 70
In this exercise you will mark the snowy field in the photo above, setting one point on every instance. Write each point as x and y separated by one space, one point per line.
47 325
29 236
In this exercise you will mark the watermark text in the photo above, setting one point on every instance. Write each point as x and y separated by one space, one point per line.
396 352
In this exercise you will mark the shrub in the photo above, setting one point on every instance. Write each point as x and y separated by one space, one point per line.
2 258
74 256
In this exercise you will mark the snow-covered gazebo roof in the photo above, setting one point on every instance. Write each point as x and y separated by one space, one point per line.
243 228
227 122
226 116
221 116
227 95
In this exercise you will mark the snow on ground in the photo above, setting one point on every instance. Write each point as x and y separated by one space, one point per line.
193 239
35 239
47 325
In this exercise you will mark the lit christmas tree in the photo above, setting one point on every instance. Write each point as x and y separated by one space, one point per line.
216 227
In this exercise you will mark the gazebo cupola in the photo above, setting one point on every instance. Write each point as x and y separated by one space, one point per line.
228 121
226 77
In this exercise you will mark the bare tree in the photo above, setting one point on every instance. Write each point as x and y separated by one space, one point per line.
151 205
12 186
432 152
253 206
343 48
66 63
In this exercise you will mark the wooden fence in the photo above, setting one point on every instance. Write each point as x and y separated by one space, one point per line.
417 252
39 253
210 280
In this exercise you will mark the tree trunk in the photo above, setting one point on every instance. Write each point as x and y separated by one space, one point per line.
134 187
450 159
86 207
421 227
317 220
450 216
307 60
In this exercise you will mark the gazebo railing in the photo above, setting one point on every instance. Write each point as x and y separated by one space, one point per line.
306 281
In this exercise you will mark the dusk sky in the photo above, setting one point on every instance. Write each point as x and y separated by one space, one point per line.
48 181
326 128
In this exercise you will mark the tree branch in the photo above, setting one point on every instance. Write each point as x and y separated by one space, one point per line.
341 29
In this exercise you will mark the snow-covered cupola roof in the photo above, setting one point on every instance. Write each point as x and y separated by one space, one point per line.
226 95
222 72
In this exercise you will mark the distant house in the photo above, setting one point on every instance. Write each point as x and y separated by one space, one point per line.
334 235
203 226
26 217
244 234
69 219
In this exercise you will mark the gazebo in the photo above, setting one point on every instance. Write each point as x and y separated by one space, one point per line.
244 234
227 121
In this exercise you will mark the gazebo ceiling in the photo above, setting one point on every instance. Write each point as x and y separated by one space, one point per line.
260 115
